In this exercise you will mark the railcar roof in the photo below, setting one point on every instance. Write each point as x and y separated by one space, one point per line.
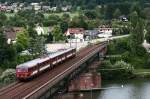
40 60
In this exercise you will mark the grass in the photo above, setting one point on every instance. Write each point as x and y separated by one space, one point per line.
61 13
144 73
72 14
9 14
45 29
141 71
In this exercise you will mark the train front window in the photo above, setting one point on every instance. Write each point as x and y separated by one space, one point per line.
22 70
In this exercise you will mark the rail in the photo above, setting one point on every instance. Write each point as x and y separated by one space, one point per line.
60 76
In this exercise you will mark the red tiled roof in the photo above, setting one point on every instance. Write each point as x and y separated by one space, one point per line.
75 31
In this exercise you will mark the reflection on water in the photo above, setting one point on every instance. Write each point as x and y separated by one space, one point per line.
133 89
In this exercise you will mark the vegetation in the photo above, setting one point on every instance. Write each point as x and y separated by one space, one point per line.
22 41
121 47
8 76
84 14
130 49
119 70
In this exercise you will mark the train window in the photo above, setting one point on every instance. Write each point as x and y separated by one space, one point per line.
22 70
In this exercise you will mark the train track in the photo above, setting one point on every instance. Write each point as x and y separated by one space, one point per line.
10 87
19 90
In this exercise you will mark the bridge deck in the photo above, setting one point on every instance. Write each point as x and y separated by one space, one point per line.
47 79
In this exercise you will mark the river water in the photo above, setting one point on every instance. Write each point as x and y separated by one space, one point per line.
131 89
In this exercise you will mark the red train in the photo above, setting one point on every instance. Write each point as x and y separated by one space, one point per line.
31 68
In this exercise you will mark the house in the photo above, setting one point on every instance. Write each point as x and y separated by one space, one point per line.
3 8
11 33
36 6
75 34
45 8
39 30
105 31
28 8
53 8
91 34
66 8
146 45
123 18
21 5
9 8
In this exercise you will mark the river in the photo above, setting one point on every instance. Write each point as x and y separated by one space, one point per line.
126 89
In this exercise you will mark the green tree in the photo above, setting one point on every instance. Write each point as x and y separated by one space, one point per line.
65 17
117 13
57 33
31 31
22 41
137 32
93 23
2 47
7 53
64 26
3 19
136 8
90 14
37 46
147 36
109 11
39 17
78 21
146 12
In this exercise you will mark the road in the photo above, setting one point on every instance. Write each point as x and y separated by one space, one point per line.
109 38
55 46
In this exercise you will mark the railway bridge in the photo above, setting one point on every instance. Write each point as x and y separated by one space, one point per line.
50 82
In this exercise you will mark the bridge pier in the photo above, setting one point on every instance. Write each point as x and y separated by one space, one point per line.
62 86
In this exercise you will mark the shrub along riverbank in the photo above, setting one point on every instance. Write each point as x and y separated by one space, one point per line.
119 70
142 73
125 64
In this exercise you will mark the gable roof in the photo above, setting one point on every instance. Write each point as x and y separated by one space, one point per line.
74 31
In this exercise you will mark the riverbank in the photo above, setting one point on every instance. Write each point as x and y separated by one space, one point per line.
142 73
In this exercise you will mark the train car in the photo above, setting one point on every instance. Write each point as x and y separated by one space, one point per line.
34 67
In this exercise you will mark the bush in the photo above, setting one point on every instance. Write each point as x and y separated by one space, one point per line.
106 64
121 64
118 46
120 70
8 76
23 58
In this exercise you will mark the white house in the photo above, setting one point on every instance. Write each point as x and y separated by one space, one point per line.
39 30
66 8
36 6
105 32
46 8
53 8
146 45
75 34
